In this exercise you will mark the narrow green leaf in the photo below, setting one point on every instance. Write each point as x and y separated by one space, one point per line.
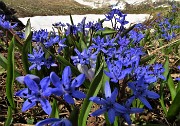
10 74
83 45
55 112
174 108
152 61
26 49
166 66
93 91
9 117
171 86
73 116
106 31
3 63
146 59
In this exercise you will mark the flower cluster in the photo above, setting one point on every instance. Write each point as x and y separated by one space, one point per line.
82 48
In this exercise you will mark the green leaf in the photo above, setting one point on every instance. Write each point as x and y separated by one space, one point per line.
10 74
55 112
26 48
3 63
166 66
93 91
2 70
106 31
9 117
171 86
83 45
174 109
73 116
147 58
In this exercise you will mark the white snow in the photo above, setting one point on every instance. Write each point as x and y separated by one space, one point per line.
45 22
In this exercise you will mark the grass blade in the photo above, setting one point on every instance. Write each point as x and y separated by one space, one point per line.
174 109
10 74
26 49
171 86
3 63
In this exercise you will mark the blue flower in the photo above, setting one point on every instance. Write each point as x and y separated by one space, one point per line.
6 24
140 91
36 91
108 104
49 62
40 36
54 122
128 110
36 59
66 86
116 71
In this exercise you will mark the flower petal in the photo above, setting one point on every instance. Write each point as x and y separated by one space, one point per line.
23 93
99 112
78 94
68 98
145 102
111 115
114 95
46 106
151 94
47 121
45 83
107 90
136 110
127 118
28 104
20 79
78 81
66 75
31 84
55 79
98 100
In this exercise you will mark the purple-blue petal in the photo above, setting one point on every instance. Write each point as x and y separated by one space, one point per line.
28 104
45 83
68 98
145 102
31 84
66 75
46 106
99 112
98 100
151 94
114 95
111 115
55 79
78 94
78 81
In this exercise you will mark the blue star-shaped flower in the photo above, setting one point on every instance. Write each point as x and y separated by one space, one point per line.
36 91
108 104
66 86
140 91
